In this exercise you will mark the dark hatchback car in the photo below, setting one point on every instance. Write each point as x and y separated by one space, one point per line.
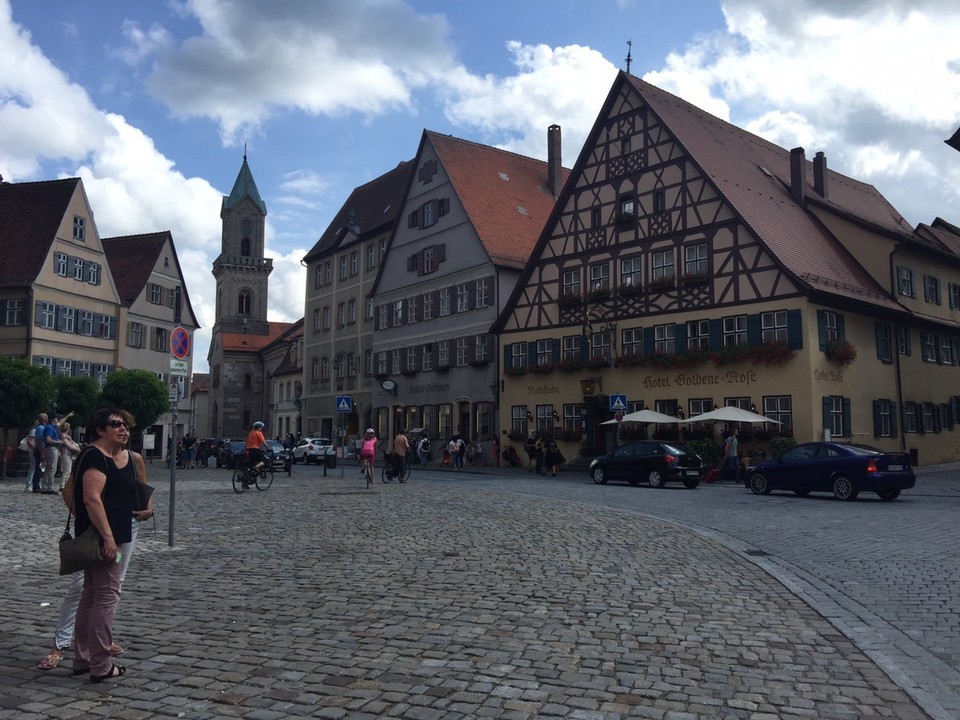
229 452
655 463
844 469
280 458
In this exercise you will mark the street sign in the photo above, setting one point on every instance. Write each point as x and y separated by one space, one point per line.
179 367
174 395
344 403
619 416
618 402
180 342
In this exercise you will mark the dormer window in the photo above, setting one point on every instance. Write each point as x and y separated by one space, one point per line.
79 228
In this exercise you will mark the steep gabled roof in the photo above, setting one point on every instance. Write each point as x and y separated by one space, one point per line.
131 259
753 175
944 235
244 186
954 140
244 342
505 195
370 208
30 214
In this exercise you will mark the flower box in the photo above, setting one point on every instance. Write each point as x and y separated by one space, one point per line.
597 295
597 362
514 371
569 300
660 284
570 365
630 290
841 351
542 369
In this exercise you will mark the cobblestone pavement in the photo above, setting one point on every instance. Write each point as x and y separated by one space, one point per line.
438 599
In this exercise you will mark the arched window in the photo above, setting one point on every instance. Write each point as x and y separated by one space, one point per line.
245 247
244 302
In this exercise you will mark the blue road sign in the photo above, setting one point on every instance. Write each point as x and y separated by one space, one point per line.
618 403
344 403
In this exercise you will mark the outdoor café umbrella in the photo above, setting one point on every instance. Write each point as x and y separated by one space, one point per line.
646 416
731 414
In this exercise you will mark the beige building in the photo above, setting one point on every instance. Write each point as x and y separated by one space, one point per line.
689 264
150 284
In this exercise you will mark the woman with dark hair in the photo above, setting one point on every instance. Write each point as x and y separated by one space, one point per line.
105 496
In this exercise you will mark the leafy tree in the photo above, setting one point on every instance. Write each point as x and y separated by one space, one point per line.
138 392
26 390
77 395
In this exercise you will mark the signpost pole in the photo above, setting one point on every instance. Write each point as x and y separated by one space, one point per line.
180 347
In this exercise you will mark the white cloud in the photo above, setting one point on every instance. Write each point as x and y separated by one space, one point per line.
288 285
334 57
563 85
876 85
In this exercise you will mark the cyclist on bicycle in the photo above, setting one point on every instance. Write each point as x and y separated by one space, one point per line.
368 450
254 448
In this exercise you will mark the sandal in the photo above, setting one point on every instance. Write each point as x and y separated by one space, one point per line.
115 672
115 649
52 660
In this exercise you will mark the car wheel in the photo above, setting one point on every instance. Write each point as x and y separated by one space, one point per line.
801 493
598 476
759 484
844 489
655 479
691 484
888 495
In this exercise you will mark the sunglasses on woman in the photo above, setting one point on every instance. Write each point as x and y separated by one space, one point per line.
117 424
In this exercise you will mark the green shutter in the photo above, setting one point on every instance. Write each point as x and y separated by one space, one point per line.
794 330
827 405
556 351
649 340
822 328
841 331
507 355
680 334
893 419
847 418
754 330
716 334
877 422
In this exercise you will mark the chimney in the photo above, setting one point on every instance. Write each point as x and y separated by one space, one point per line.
798 174
820 174
554 168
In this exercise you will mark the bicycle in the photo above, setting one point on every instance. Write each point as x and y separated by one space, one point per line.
367 472
245 476
391 469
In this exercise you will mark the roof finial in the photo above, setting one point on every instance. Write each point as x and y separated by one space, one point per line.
244 152
629 56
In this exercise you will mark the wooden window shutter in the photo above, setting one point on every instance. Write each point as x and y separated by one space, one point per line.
716 334
794 330
876 419
443 207
413 262
893 419
754 330
441 252
822 328
413 219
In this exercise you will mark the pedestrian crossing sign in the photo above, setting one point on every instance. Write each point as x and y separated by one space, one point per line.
618 403
344 403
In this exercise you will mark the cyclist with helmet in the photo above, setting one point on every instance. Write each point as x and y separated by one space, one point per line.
254 447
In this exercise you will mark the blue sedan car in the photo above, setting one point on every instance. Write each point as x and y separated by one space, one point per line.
844 469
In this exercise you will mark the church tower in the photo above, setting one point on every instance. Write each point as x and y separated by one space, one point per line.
238 393
241 270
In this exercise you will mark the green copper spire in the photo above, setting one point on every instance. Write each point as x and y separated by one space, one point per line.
244 187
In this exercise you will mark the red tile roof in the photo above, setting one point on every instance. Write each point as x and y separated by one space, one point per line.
244 342
754 175
370 208
30 214
504 195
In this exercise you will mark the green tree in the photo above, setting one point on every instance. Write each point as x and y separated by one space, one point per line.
77 395
26 390
138 392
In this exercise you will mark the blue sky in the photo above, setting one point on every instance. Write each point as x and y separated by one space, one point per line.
151 103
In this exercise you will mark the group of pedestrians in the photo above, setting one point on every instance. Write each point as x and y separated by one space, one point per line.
106 493
51 450
543 454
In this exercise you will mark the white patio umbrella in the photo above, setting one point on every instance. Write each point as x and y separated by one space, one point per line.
646 416
732 414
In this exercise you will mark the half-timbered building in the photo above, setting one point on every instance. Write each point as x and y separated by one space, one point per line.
690 264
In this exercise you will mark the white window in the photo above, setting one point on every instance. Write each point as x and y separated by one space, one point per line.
463 298
371 256
461 352
631 272
78 270
324 369
427 362
444 302
381 363
480 349
395 364
428 306
544 352
60 264
64 367
443 354
354 263
368 359
665 339
93 273
326 318
343 267
735 330
774 326
67 319
369 315
384 316
518 356
318 276
632 341
698 335
662 264
695 260
316 319
85 323
600 277
352 311
397 313
411 358
411 309
483 292
156 294
341 315
48 315
14 312
315 370
79 228
81 368
429 260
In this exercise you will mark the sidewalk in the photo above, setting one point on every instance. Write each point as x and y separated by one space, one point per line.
427 601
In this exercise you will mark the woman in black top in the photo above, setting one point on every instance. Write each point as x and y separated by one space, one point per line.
104 496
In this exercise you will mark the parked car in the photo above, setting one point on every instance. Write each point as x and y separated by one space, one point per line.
655 462
278 455
844 469
311 449
229 452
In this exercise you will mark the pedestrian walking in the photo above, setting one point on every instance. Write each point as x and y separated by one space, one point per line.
38 466
68 451
423 449
530 446
51 455
731 454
